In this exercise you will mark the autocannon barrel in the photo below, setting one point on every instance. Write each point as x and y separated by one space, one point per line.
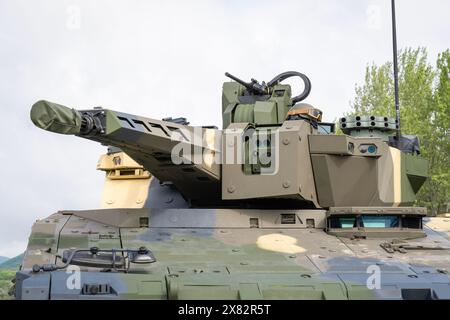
171 150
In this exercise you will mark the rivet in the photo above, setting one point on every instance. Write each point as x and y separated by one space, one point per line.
231 189
286 141
286 184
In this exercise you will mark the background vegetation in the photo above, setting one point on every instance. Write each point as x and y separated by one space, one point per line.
425 112
5 283
8 269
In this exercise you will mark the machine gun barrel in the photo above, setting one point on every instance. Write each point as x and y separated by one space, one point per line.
253 86
149 142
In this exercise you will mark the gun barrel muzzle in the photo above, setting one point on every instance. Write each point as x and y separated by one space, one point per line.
55 117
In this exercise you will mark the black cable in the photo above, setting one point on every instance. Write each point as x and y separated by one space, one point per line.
288 74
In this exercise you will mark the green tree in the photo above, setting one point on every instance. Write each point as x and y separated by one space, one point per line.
425 106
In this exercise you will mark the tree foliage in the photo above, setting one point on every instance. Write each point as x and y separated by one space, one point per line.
425 111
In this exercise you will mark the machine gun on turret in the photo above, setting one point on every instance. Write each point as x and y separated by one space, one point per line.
253 86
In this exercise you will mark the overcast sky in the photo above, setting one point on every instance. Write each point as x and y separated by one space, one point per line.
167 58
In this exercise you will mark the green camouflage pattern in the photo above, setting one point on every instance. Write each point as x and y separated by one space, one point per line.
218 256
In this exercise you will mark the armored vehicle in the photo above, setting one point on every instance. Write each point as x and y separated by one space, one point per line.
275 205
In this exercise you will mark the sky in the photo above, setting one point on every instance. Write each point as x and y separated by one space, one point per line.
168 58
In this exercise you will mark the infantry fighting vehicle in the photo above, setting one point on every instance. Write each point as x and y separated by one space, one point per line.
275 205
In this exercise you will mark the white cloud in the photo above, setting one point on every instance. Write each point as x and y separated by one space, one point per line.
13 248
